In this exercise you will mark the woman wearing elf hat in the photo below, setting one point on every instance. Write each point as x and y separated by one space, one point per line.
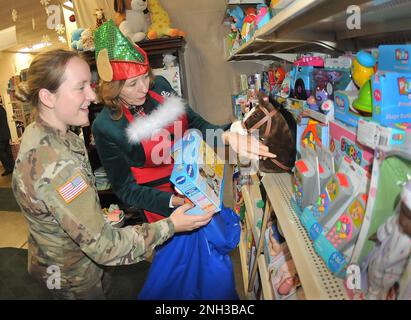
129 134
137 106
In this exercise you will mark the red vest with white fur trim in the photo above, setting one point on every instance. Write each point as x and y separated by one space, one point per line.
169 121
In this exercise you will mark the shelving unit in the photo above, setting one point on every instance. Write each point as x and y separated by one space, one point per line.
317 281
321 25
251 194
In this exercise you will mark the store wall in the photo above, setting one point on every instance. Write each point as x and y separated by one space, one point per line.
11 65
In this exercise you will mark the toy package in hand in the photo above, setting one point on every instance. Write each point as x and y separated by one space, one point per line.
198 173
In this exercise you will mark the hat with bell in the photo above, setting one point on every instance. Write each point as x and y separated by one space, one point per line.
117 57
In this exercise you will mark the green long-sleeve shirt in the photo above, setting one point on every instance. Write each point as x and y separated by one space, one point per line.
118 155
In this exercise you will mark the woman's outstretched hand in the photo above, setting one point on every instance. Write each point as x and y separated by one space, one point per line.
185 222
247 146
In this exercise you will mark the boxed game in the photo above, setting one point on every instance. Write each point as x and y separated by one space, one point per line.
343 142
198 173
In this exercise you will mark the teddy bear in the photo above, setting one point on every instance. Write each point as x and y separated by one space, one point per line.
131 18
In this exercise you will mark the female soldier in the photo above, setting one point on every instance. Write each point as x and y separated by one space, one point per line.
54 186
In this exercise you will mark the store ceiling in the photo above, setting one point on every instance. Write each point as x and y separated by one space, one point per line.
26 35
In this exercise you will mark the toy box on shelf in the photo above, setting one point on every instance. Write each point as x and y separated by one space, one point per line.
311 133
391 87
372 135
334 221
198 173
320 116
343 142
343 108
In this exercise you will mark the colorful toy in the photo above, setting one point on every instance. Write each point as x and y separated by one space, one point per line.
362 68
237 16
305 179
75 39
131 18
249 24
276 77
198 173
343 234
160 22
392 99
363 104
311 224
263 15
301 81
307 61
343 142
343 111
311 133
332 198
333 259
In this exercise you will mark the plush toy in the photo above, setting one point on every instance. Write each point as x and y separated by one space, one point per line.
100 17
87 40
131 18
160 22
75 38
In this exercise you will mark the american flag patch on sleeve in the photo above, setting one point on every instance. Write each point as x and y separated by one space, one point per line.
72 189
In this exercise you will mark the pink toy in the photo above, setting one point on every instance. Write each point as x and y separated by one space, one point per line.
309 61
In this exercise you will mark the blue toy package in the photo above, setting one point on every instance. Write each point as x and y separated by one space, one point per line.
198 173
394 58
392 99
344 111
391 86
310 223
333 259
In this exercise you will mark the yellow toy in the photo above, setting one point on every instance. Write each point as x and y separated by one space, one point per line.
160 22
362 68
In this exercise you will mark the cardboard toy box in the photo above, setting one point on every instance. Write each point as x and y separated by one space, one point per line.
343 142
392 99
198 173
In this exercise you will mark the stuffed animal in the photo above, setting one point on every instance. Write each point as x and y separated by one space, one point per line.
131 18
100 17
87 40
75 39
160 22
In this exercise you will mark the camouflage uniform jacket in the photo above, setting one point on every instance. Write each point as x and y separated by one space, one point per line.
66 232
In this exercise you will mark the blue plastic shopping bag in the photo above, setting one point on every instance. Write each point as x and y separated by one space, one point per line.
196 265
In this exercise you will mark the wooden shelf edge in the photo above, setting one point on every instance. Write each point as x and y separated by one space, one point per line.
242 248
265 280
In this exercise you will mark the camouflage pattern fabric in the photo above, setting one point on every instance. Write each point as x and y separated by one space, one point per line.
70 235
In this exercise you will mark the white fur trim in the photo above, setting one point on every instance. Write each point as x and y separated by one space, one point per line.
145 127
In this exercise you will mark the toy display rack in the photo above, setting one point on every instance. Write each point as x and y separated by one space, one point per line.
317 281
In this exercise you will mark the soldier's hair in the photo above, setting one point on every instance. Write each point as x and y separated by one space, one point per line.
109 93
45 72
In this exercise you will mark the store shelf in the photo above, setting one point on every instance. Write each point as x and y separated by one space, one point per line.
321 25
265 280
317 281
251 193
242 248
